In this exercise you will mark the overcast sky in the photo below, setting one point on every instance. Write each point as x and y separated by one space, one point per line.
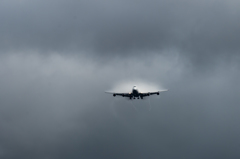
58 57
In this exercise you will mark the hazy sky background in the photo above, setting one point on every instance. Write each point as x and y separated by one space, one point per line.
58 57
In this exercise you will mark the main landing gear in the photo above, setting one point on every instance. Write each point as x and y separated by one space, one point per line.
135 98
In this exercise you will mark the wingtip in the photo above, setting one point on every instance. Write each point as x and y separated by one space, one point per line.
163 90
108 92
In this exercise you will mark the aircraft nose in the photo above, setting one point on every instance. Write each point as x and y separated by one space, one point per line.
134 87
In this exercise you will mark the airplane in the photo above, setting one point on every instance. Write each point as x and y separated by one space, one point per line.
135 93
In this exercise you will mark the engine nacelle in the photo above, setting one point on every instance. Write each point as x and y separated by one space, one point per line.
158 93
114 95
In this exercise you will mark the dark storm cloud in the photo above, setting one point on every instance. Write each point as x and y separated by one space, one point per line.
55 107
198 28
58 57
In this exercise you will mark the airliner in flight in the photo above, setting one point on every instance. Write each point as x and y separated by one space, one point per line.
136 94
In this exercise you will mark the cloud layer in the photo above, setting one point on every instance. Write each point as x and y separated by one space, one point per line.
58 57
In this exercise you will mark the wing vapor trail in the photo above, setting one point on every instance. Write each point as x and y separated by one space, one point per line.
133 105
149 103
158 97
113 108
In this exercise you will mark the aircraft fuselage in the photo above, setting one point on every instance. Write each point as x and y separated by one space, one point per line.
135 92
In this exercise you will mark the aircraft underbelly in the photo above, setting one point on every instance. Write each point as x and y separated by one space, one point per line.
135 93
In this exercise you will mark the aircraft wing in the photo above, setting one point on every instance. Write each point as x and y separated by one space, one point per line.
152 93
120 94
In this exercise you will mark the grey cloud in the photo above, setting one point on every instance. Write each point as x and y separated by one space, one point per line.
55 107
121 27
57 58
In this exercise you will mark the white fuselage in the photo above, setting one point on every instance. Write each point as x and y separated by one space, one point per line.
135 92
